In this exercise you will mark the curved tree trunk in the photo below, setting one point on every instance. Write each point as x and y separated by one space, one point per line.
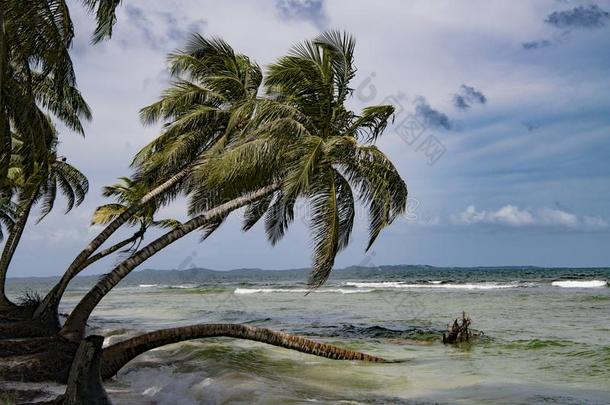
50 311
116 356
11 246
51 300
74 328
112 249
85 382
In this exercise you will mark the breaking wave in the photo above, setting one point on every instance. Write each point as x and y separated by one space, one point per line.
580 283
436 284
297 290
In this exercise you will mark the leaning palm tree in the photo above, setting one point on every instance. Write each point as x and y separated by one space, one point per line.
127 192
254 165
301 143
206 106
33 150
41 187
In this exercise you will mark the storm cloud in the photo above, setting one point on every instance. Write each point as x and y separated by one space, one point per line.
430 116
579 17
468 95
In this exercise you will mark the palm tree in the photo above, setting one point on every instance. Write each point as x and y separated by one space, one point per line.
318 149
251 164
35 36
32 141
35 39
202 111
37 78
42 187
128 193
301 143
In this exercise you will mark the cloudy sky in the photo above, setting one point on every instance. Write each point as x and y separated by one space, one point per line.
502 129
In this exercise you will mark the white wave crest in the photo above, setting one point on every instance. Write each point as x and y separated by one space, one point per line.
296 290
183 286
382 284
147 285
469 286
580 283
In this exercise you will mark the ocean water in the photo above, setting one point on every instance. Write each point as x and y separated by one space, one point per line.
546 338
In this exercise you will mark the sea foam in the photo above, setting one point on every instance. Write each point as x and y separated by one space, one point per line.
296 290
580 283
469 286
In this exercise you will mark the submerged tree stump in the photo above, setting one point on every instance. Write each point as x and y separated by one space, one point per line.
459 331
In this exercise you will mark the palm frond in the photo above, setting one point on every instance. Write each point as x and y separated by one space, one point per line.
325 230
255 211
279 216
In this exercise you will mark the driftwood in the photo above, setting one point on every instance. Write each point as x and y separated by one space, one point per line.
459 331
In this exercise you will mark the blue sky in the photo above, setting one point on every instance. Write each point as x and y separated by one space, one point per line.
502 131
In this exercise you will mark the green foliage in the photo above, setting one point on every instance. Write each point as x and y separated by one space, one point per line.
298 135
324 151
37 75
126 193
8 211
105 14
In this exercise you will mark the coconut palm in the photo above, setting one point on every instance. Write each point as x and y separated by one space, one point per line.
42 187
319 150
35 39
34 36
127 193
301 143
250 165
33 151
202 111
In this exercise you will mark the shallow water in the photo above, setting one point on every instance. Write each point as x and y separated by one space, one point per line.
544 342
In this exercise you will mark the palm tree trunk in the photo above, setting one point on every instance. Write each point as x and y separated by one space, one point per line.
51 310
112 249
116 356
51 300
5 133
74 327
11 246
85 382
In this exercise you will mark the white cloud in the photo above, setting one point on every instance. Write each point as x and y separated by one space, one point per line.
513 216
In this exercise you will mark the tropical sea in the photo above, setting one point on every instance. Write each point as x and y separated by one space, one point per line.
546 336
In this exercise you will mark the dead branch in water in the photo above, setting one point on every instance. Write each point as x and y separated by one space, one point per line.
460 331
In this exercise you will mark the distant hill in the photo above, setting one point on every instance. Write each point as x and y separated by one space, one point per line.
205 276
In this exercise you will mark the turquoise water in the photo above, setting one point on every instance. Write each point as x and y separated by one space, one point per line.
546 338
